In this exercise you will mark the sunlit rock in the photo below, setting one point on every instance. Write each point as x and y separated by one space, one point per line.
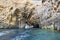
21 12
27 26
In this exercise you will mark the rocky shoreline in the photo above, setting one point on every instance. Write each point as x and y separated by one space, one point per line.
20 14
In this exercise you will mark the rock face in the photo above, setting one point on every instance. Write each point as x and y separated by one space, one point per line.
52 13
19 13
16 13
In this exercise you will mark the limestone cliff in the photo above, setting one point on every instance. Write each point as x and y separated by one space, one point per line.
18 13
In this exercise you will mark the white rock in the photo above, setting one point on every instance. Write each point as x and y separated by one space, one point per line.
27 26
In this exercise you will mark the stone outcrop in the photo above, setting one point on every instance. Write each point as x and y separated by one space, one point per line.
19 13
53 13
15 13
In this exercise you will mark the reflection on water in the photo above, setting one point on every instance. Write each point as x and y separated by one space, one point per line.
29 34
23 35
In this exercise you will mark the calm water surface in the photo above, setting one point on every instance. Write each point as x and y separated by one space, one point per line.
29 34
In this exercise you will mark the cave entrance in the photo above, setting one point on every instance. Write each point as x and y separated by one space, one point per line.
36 25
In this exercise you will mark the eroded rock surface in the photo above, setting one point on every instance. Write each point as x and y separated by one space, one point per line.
18 13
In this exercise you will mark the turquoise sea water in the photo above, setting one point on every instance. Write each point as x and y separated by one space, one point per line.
29 34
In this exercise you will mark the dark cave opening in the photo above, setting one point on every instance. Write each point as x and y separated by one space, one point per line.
36 25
